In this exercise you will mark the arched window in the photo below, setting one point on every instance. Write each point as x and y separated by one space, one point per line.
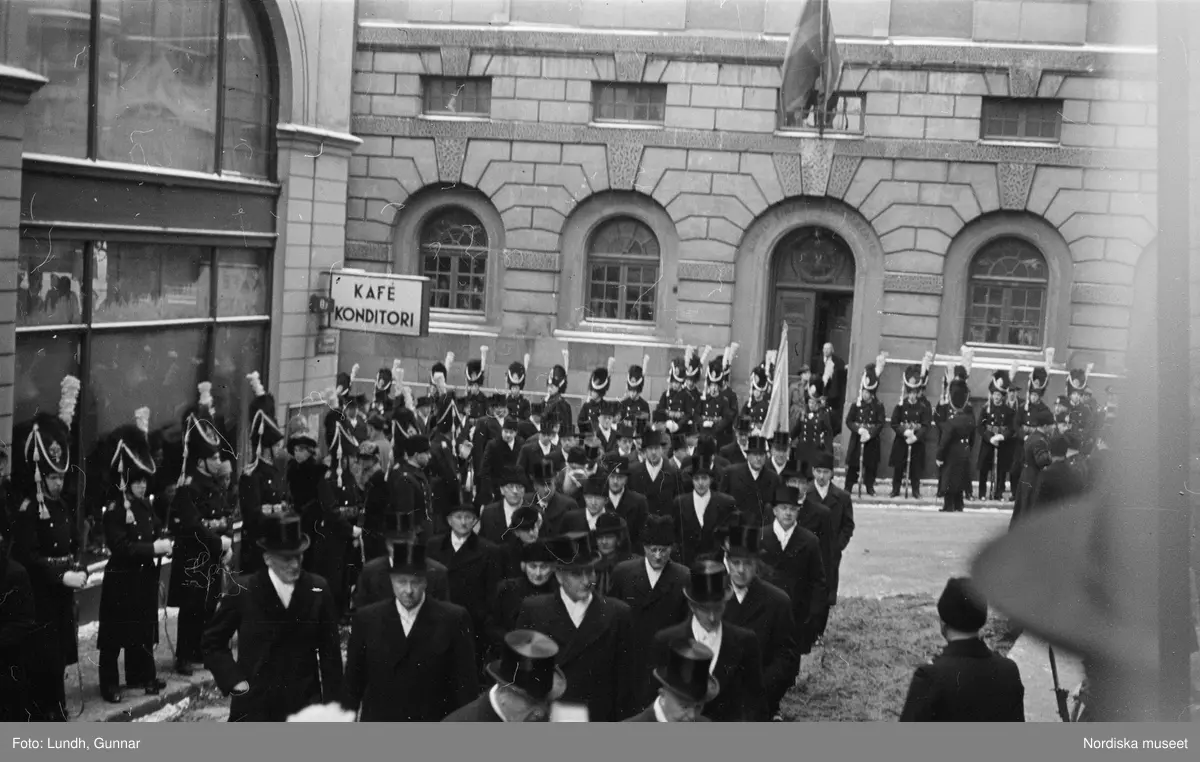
454 249
1007 294
178 84
623 265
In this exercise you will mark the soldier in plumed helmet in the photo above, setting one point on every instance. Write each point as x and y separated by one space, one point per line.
865 420
911 421
1082 433
995 430
201 527
596 404
516 386
954 447
304 474
129 594
676 402
813 430
695 363
715 416
634 406
386 382
726 393
475 403
759 400
336 518
556 387
45 541
262 488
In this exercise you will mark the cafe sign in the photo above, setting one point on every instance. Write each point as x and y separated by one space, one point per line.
375 303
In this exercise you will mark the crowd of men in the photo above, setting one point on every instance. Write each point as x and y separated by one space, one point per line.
492 556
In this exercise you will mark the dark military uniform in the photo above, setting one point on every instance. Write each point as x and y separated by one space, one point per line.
632 409
725 433
756 410
993 420
954 450
519 405
589 411
917 417
262 491
411 492
333 516
1081 435
715 418
678 406
200 517
870 415
45 542
129 595
813 434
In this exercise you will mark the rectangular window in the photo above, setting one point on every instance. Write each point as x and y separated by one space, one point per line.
56 42
629 103
137 282
1021 119
842 114
458 96
49 277
1006 314
622 291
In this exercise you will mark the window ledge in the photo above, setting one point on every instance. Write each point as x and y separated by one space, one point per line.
455 117
1020 143
626 335
461 325
68 165
829 135
626 125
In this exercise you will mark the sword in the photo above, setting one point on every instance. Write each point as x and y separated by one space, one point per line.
907 470
1060 694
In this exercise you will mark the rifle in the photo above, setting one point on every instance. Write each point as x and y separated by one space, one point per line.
1060 694
907 470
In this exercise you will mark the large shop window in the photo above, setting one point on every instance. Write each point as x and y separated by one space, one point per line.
177 84
156 320
623 267
1007 294
454 256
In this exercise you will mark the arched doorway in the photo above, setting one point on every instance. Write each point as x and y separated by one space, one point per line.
812 290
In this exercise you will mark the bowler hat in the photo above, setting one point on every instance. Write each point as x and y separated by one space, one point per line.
609 523
743 540
408 557
688 671
527 663
823 460
542 471
961 606
626 431
280 534
709 583
659 530
652 438
596 484
536 552
513 475
573 550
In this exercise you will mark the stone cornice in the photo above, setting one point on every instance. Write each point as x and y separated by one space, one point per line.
18 85
306 135
888 148
759 49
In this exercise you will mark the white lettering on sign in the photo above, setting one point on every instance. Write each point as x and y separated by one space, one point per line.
393 304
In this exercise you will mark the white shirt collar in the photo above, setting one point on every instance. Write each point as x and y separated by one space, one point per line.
282 589
783 536
822 491
659 714
701 502
652 573
408 618
592 519
456 542
509 510
753 474
495 702
654 471
710 639
575 610
741 593
545 448
614 498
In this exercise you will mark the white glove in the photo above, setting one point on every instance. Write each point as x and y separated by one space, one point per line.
75 579
996 440
226 544
357 532
708 424
910 438
163 547
864 435
227 557
240 688
908 434
672 426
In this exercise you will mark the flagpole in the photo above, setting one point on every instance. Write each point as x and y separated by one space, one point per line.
1173 378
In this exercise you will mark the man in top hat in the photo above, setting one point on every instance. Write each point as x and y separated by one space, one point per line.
655 478
594 633
611 539
570 480
411 659
653 588
994 431
633 406
409 485
686 685
737 659
704 445
442 467
626 503
376 496
626 437
865 420
735 451
831 369
45 541
911 420
500 454
534 576
522 531
603 428
699 512
129 593
261 488
551 506
967 682
765 610
751 484
542 448
334 521
374 581
676 402
814 428
595 504
726 393
556 387
598 385
200 525
488 428
781 454
527 679
1040 428
289 654
515 376
954 449
496 517
472 566
797 565
840 505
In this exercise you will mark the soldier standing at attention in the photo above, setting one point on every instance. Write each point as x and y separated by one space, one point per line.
676 402
911 421
995 435
633 406
954 448
865 420
262 490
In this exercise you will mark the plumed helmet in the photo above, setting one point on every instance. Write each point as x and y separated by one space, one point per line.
716 370
132 458
816 387
264 429
516 373
1077 378
635 378
602 377
1000 382
913 379
759 380
678 371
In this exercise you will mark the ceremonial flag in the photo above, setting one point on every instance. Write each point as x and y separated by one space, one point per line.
777 411
812 65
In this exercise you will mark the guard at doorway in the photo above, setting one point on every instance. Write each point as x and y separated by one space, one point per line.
911 420
995 434
865 420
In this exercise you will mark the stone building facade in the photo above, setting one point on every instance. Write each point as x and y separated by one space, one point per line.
920 219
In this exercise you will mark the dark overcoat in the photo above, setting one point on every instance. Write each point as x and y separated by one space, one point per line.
129 593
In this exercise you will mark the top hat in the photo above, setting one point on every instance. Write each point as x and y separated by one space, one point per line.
743 540
596 484
961 606
787 496
688 671
743 426
542 471
577 456
652 438
408 557
757 444
416 445
527 663
513 475
703 465
678 441
536 552
524 517
609 523
280 534
399 524
781 441
709 583
659 530
625 431
618 465
573 550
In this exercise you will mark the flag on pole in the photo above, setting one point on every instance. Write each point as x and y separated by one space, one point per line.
777 410
812 65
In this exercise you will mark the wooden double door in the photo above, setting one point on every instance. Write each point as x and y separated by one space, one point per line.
813 317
